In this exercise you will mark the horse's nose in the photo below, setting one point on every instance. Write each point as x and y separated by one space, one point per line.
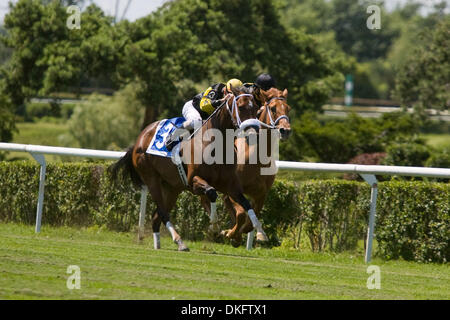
285 133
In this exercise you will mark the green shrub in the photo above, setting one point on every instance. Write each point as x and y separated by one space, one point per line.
337 141
281 210
67 110
413 219
334 213
439 159
37 110
41 109
407 153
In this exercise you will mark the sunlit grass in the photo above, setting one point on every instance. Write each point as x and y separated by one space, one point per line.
115 266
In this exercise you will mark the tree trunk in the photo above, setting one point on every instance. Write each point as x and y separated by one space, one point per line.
149 117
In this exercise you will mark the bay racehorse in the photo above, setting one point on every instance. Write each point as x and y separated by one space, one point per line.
162 177
274 115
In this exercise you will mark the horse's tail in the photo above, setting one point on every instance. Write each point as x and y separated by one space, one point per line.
125 166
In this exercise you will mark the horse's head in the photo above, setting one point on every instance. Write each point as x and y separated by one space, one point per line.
275 111
242 109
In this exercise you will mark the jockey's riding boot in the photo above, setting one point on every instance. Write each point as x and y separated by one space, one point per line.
171 141
181 133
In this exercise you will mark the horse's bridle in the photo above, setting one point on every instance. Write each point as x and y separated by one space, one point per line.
273 123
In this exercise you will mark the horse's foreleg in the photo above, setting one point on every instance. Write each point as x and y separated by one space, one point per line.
248 226
230 206
201 187
242 200
238 213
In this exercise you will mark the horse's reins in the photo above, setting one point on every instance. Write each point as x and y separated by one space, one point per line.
234 107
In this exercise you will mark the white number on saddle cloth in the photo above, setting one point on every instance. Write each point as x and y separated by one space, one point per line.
167 129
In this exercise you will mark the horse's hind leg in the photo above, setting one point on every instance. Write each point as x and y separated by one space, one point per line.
170 198
213 230
156 225
165 199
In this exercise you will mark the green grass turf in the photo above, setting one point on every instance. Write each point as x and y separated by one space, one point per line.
38 133
438 141
114 266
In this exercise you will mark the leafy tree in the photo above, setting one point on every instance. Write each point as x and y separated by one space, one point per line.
311 15
104 122
5 52
425 79
210 40
47 56
7 119
165 53
349 23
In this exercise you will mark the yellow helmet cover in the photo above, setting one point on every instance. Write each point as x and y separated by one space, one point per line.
233 82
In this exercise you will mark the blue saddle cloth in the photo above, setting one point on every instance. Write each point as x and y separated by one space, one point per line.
165 127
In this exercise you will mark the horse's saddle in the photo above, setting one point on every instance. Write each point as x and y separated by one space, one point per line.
165 127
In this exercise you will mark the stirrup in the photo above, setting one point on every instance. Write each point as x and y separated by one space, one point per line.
171 143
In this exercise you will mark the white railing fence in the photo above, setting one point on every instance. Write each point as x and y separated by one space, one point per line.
367 173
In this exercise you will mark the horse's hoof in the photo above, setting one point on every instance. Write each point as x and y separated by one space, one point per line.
224 233
181 246
214 229
261 237
235 243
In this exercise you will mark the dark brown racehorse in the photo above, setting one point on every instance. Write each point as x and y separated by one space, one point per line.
161 176
274 113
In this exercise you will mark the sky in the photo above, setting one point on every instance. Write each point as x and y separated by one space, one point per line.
137 9
141 8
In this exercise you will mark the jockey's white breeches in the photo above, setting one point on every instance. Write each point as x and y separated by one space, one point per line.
192 116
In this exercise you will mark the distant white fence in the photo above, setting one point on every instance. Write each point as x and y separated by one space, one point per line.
367 172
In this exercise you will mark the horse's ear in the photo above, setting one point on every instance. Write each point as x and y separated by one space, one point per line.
285 93
234 90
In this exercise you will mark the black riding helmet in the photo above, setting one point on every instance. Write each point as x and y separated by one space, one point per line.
265 81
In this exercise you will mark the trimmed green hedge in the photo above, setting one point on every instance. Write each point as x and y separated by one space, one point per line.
413 219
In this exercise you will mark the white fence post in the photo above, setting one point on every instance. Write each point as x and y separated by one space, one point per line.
41 159
372 180
142 210
250 237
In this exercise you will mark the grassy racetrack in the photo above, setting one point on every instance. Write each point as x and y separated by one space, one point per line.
114 266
